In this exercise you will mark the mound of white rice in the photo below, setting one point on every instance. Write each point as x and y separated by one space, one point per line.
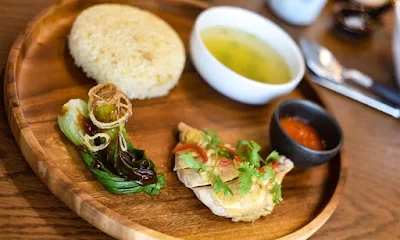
127 46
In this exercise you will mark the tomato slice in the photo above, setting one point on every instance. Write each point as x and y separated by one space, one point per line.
195 147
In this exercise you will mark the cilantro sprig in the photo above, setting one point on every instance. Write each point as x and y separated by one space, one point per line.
249 169
276 193
246 174
274 156
219 186
191 162
211 138
251 152
213 141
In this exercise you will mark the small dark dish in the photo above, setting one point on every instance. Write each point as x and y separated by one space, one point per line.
314 115
342 11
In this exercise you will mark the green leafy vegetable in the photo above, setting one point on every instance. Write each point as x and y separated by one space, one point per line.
69 123
98 129
117 184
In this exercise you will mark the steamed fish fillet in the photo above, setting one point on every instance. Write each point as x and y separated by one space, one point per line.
257 203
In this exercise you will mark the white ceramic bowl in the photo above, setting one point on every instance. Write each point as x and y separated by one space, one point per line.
396 44
230 83
299 12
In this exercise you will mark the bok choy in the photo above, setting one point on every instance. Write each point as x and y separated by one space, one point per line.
97 128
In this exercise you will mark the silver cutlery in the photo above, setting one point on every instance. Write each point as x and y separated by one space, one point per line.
331 74
322 62
355 94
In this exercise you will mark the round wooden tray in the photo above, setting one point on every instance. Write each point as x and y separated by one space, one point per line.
41 77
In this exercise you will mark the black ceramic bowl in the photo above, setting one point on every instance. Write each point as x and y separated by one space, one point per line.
314 115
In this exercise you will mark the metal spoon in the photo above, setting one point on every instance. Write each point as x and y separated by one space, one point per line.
322 62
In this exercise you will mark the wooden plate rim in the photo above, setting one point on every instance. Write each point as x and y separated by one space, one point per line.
81 202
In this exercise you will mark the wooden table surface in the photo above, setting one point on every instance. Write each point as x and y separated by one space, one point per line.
369 209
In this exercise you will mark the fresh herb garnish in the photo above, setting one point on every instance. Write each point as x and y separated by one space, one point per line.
269 174
211 137
274 156
219 186
251 152
250 169
192 162
246 174
213 142
276 193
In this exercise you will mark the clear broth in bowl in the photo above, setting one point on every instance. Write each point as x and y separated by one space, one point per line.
246 55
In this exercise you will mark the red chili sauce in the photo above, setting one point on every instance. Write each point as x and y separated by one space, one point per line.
303 133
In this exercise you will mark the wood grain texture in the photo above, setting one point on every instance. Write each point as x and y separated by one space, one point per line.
370 206
40 55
